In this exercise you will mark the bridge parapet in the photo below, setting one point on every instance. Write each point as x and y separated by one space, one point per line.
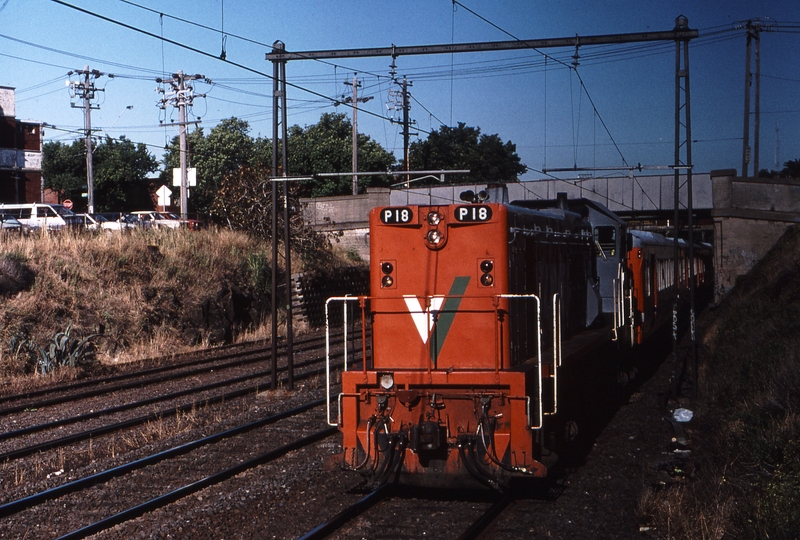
750 215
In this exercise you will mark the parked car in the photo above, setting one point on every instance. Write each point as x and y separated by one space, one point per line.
95 222
156 220
124 221
41 215
9 223
192 224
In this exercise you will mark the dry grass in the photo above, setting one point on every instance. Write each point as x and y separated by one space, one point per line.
139 290
747 436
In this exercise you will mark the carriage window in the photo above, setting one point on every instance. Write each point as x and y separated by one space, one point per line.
605 239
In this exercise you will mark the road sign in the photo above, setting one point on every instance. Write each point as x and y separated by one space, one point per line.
191 177
67 204
164 195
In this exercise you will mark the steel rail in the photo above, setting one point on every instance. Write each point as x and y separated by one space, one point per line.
339 520
487 518
24 503
136 404
150 371
136 384
110 428
158 502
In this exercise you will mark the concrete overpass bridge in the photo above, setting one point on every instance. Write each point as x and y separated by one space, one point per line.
741 217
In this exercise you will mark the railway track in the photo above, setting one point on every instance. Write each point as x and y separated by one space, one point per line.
23 437
181 366
386 512
218 452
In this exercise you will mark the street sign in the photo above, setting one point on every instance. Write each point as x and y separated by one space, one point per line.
68 204
191 177
164 195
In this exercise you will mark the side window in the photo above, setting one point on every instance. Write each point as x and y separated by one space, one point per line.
605 239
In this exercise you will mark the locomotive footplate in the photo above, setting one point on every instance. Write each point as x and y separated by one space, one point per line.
445 424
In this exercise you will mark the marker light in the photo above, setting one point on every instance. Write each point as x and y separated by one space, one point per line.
387 267
486 266
387 281
434 237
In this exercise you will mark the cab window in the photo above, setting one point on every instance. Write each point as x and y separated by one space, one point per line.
605 239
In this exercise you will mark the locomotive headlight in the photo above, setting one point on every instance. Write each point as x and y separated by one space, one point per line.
434 237
434 218
386 380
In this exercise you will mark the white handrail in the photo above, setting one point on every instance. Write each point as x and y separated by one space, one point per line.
344 299
538 354
556 347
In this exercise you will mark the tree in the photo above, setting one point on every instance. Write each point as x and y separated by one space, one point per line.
327 147
227 148
64 169
118 164
791 169
487 157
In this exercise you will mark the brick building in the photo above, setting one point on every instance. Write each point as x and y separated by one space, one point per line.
20 155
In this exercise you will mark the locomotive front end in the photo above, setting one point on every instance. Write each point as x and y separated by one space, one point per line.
438 397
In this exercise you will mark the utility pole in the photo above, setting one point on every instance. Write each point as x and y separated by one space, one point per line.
757 126
355 100
85 91
406 133
753 32
181 96
404 104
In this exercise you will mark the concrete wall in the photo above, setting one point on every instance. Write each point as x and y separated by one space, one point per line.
346 218
750 214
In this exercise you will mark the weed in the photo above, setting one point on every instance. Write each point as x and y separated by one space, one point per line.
63 351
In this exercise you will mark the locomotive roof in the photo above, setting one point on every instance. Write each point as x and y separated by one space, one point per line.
581 206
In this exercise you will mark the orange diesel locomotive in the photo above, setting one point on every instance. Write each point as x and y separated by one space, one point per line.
475 309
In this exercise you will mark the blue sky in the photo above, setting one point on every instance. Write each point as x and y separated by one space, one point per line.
539 105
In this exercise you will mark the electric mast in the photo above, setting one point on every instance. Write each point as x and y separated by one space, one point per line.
84 90
181 96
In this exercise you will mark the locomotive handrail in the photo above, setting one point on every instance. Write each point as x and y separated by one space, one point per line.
344 300
556 348
540 414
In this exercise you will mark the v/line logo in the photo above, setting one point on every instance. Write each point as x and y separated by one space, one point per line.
433 322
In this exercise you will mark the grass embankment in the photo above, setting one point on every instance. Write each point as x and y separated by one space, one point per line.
146 292
747 432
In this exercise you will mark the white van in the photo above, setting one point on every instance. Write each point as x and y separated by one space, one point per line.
42 215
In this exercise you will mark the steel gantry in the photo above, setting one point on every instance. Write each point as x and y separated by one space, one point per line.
681 34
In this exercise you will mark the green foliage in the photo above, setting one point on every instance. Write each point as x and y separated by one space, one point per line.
63 351
64 168
327 147
487 157
227 149
260 270
117 165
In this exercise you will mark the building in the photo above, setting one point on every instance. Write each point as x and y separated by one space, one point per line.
20 155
